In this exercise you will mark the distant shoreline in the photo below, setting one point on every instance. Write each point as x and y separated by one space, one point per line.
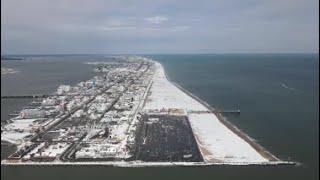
11 59
20 56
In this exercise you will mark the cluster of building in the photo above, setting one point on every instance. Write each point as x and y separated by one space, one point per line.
95 119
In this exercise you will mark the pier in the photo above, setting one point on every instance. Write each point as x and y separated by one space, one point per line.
237 111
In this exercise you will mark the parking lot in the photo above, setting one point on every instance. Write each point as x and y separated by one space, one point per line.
166 138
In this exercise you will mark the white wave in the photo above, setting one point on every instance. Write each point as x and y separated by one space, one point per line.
8 71
287 87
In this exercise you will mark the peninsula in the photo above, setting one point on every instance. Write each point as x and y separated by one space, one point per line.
128 115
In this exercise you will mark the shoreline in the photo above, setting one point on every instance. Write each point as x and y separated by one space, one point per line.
147 164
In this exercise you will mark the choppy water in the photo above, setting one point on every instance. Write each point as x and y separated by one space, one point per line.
277 94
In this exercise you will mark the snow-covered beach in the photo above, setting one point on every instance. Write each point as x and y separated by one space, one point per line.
216 142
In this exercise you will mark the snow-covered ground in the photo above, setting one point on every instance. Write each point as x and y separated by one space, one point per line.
14 137
166 95
16 131
220 142
216 142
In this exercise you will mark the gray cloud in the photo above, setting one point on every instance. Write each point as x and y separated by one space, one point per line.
159 26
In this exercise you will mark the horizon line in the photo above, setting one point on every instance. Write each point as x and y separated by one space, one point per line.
257 53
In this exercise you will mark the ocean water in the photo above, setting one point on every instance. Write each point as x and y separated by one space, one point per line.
276 93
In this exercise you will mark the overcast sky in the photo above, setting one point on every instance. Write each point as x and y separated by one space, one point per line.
159 26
